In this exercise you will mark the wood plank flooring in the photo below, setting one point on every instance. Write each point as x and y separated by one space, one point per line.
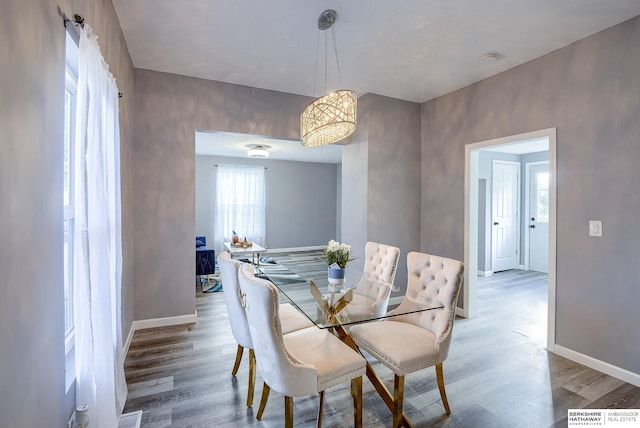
498 373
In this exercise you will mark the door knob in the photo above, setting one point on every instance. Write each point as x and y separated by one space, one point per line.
533 226
495 223
533 219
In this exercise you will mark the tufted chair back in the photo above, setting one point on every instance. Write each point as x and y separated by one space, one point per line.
374 288
278 368
237 317
432 279
381 261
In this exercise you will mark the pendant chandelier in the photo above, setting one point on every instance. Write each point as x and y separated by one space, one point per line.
332 117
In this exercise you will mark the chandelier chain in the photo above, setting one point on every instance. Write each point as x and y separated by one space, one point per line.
315 69
335 49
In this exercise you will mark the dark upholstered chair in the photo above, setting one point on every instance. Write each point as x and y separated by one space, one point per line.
205 258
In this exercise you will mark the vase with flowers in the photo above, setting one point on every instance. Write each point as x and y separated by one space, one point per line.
337 256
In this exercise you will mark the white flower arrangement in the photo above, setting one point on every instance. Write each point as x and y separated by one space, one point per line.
337 253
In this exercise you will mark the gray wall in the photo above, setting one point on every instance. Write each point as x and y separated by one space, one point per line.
355 189
300 205
381 179
589 91
169 109
32 60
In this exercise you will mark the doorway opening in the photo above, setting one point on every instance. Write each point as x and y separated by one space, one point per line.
476 155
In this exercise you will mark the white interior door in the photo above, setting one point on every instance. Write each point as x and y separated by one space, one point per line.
538 217
504 207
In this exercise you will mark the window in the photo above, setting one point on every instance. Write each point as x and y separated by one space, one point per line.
542 188
97 256
71 86
240 204
69 211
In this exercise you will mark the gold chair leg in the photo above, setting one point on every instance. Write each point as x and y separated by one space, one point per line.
372 376
398 398
288 412
443 394
356 393
263 400
252 377
236 366
320 407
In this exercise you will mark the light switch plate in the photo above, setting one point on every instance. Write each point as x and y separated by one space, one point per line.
595 228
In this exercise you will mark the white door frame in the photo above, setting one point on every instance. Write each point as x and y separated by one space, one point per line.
471 162
527 186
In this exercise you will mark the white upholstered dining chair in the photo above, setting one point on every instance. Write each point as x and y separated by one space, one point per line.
292 319
301 363
371 294
411 342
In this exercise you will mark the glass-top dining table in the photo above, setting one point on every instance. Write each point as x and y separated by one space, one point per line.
360 299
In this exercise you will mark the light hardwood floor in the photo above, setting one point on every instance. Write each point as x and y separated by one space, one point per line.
498 373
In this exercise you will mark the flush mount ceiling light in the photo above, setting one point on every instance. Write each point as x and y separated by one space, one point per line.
332 117
258 151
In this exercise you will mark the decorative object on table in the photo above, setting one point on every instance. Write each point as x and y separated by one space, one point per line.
236 242
336 275
338 253
337 256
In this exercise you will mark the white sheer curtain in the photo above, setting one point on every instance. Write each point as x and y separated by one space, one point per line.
240 204
100 380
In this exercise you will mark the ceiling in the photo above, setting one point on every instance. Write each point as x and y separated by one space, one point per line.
217 143
414 50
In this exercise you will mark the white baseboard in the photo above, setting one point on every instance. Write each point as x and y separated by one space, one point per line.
157 322
165 322
461 312
130 420
523 267
601 366
127 343
485 272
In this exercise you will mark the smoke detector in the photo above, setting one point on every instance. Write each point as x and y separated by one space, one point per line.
490 56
